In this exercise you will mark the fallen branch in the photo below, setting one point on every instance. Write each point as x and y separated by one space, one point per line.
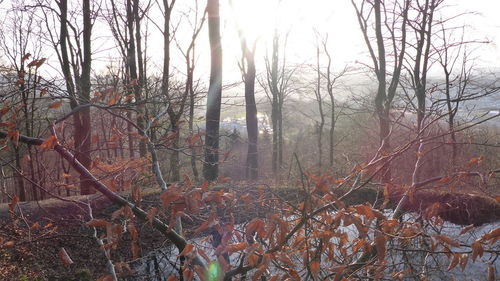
179 241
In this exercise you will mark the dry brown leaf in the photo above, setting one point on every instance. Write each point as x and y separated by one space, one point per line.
187 249
232 248
258 273
454 261
55 105
315 266
477 250
380 244
491 272
133 231
172 278
151 214
64 257
49 143
447 240
107 277
136 250
466 229
464 258
187 274
9 243
98 223
13 204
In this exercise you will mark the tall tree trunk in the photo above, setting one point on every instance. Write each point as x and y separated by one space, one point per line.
133 59
247 68
28 123
211 165
175 174
280 134
85 125
30 119
333 120
275 114
192 101
130 138
131 78
424 32
332 135
329 87
141 84
274 121
381 104
451 118
319 98
18 175
166 50
384 97
165 83
252 164
78 87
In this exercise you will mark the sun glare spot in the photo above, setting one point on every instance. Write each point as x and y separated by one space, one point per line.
214 272
259 19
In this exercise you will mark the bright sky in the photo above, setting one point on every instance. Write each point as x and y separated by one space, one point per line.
337 18
300 17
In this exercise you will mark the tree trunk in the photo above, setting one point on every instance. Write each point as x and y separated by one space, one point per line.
78 87
191 129
274 119
19 175
166 51
252 163
85 125
329 87
451 119
136 83
384 126
332 124
280 134
192 102
130 130
28 123
174 158
141 83
332 136
381 102
275 114
384 97
320 108
211 165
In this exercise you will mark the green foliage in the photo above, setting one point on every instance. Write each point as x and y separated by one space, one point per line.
26 278
82 275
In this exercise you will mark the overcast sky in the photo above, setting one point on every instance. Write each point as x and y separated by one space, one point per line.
337 19
298 17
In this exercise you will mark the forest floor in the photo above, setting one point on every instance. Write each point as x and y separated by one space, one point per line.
30 243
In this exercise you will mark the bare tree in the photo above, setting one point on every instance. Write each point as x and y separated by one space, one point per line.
189 90
319 99
179 102
125 25
455 59
248 71
391 18
277 87
331 81
422 26
75 57
211 165
22 50
135 63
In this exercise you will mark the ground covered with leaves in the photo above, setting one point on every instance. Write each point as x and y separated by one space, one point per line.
53 239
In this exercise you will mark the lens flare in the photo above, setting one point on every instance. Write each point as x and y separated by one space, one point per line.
214 272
